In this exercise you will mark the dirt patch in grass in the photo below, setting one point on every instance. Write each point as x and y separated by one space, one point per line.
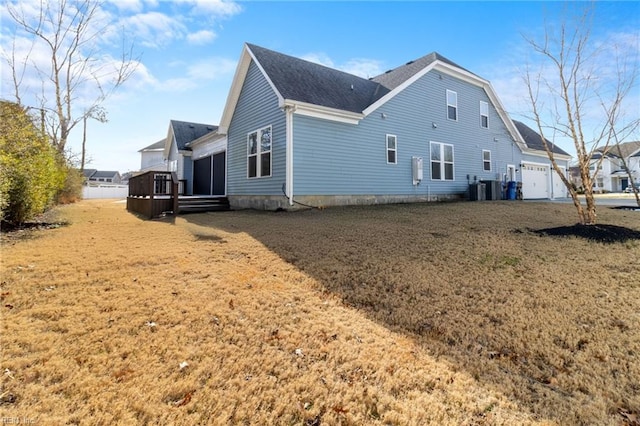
408 314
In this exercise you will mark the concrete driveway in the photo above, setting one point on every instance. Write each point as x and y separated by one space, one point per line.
613 199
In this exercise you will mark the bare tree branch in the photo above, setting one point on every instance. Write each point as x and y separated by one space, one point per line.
572 80
69 31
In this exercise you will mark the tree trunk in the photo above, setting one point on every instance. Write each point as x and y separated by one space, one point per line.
84 142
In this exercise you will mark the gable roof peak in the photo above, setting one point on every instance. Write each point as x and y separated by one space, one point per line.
297 79
185 132
397 76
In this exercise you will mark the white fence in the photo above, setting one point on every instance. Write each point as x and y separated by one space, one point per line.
105 191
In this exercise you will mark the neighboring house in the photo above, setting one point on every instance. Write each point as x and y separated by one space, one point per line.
178 152
152 157
87 173
94 176
300 132
611 175
539 179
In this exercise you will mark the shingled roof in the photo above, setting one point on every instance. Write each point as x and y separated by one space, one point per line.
304 81
186 132
624 150
395 77
534 141
158 146
300 80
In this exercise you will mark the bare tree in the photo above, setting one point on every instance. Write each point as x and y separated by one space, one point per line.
100 115
567 92
75 77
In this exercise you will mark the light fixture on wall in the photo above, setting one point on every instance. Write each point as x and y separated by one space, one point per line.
495 139
383 115
434 125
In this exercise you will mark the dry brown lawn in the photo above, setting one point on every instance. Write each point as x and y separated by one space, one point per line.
404 315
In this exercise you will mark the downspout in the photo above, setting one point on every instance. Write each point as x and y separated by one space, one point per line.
289 157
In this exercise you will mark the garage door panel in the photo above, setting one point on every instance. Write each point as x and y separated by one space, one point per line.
559 188
535 181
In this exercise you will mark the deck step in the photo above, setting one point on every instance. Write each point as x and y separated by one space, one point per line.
202 204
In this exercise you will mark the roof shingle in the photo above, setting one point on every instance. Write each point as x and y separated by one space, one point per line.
186 132
534 141
304 81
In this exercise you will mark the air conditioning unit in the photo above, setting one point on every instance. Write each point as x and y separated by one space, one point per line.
416 167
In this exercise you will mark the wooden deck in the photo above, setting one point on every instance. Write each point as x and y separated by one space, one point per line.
154 194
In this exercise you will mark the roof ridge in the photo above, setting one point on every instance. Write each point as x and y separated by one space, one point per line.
308 62
305 81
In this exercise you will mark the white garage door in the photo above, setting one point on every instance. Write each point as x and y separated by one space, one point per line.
535 181
559 188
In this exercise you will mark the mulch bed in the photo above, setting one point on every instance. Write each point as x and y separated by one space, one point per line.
602 233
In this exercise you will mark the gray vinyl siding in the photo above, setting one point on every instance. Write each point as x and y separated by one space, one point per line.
257 107
340 159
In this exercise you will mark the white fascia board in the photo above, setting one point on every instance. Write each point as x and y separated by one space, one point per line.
538 153
502 112
236 87
209 137
437 66
383 100
465 76
322 112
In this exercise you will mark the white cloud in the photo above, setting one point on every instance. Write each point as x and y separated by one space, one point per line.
154 29
128 5
211 69
201 37
219 8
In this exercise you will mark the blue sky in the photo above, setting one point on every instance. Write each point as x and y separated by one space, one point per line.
189 50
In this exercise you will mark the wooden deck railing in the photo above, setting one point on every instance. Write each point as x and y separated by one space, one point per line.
154 193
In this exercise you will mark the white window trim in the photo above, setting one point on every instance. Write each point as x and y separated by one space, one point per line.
395 150
452 105
486 161
486 106
259 153
442 162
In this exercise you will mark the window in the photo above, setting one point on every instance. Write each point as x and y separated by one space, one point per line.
259 153
484 114
441 161
392 149
452 105
486 160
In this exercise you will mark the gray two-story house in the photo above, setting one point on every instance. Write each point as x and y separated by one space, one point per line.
299 132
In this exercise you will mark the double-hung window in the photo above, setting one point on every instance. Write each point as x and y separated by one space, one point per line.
486 160
441 161
484 115
452 105
259 145
392 149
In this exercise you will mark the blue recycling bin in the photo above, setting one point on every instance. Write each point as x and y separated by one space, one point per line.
511 190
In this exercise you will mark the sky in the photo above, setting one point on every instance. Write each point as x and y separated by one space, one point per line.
187 53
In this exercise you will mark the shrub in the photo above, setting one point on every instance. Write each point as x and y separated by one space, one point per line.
72 187
31 171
